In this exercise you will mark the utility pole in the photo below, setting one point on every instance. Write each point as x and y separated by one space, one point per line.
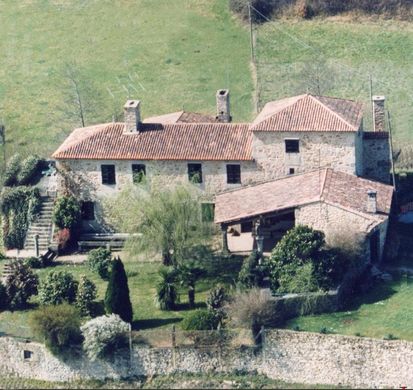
3 141
251 33
391 152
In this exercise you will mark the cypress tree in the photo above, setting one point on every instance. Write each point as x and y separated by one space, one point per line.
117 299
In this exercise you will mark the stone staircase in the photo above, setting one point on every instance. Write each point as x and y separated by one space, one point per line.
42 226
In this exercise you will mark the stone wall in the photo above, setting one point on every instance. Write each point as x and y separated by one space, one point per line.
316 150
376 158
298 357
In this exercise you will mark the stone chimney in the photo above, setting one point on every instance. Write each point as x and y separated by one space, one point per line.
223 110
379 120
132 116
371 202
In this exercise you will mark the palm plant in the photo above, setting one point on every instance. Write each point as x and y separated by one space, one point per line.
166 292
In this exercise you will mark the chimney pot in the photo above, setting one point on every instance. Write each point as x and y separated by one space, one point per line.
371 201
379 120
132 116
223 108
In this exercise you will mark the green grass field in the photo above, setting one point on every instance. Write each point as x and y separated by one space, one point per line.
142 280
336 58
168 54
385 310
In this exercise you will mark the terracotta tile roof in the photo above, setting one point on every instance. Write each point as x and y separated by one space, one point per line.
181 117
309 113
375 135
337 188
180 141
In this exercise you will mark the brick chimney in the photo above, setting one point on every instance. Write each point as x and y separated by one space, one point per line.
371 206
379 120
223 110
132 116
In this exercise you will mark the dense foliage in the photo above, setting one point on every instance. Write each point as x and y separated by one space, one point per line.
29 170
166 292
21 284
66 213
300 263
86 294
251 272
12 170
19 206
103 335
58 287
59 326
4 299
117 298
99 261
200 320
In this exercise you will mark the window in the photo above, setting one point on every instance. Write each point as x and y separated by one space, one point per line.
195 173
108 174
291 171
138 173
292 146
233 174
88 211
246 227
207 212
27 354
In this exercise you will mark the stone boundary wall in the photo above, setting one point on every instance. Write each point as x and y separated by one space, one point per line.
299 357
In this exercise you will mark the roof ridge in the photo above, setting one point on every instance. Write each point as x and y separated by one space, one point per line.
332 111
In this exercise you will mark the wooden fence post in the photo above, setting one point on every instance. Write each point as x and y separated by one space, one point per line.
173 338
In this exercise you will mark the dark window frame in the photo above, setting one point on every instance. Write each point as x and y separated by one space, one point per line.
291 171
108 172
233 173
195 173
138 173
88 211
292 145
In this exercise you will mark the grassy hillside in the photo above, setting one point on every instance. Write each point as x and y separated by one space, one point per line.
335 58
169 54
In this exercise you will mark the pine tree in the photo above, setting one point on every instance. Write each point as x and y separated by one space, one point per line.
117 298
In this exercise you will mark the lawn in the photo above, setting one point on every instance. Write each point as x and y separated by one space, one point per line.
169 54
336 57
142 281
385 310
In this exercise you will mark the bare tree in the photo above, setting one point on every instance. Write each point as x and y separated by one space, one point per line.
317 77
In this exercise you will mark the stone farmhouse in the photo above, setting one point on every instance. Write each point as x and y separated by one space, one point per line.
304 159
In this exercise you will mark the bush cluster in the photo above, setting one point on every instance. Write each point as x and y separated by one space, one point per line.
58 287
200 320
20 172
66 213
264 8
86 294
99 260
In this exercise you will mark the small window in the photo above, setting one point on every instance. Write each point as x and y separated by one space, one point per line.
292 146
138 173
233 174
27 354
246 227
88 211
108 174
208 212
291 171
195 173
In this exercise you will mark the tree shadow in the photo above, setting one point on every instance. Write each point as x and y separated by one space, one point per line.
185 306
153 323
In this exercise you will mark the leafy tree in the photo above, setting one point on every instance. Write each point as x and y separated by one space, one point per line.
29 170
103 335
58 287
200 320
188 274
58 325
99 260
249 275
117 298
86 293
12 170
21 284
166 293
168 220
66 213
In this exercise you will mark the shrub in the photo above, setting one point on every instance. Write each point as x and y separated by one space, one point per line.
217 298
99 261
264 8
103 335
66 213
117 298
86 293
34 262
252 309
249 275
4 299
29 169
200 320
21 284
58 325
58 286
166 293
12 170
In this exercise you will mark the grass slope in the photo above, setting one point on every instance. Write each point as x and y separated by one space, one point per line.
296 57
169 54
